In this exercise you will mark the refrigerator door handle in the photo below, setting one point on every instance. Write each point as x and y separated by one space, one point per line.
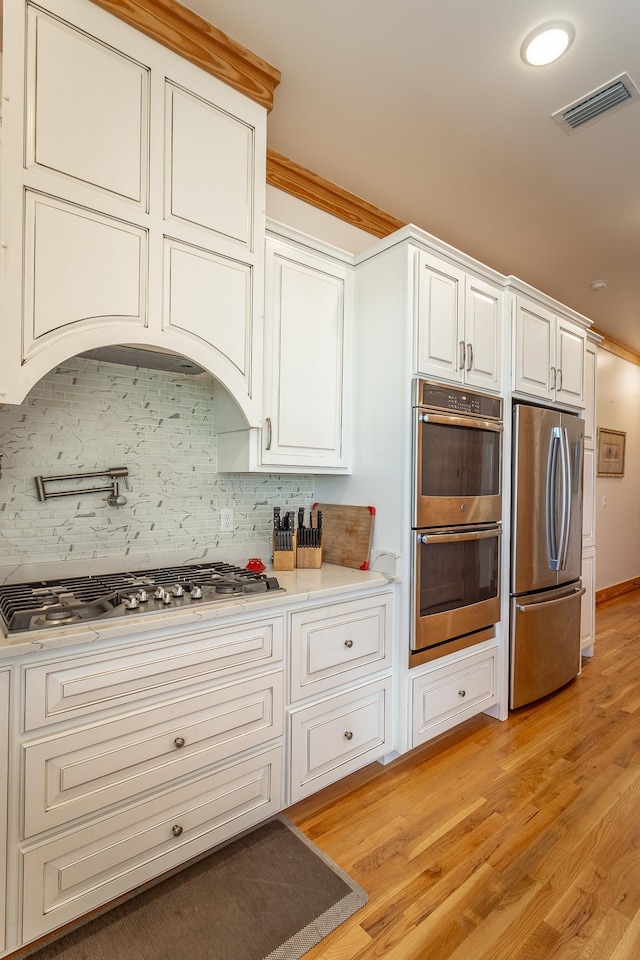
524 608
555 441
567 498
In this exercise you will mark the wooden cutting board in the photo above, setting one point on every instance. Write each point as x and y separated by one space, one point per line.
346 534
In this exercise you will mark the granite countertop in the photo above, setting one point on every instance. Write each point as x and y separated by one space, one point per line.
326 583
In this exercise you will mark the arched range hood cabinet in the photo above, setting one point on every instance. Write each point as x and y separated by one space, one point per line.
132 204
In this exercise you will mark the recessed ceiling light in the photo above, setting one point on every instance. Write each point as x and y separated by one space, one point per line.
547 42
599 284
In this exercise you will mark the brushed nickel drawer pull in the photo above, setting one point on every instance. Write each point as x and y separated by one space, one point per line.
176 830
179 742
349 735
462 693
348 643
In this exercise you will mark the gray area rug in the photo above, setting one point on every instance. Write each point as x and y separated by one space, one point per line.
268 895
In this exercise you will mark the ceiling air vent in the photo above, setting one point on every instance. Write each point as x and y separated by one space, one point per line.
610 96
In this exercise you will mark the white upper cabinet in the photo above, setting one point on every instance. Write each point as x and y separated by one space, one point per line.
308 310
459 321
304 402
133 187
549 354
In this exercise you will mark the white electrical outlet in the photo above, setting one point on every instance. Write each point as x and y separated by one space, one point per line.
226 520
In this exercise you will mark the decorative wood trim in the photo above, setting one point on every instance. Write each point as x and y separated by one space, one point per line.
201 43
618 349
617 590
302 183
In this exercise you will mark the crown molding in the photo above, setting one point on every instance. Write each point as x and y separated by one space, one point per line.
617 348
196 40
302 183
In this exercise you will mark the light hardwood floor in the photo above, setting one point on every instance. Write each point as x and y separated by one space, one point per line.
502 841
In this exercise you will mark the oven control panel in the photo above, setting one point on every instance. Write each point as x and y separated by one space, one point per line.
438 396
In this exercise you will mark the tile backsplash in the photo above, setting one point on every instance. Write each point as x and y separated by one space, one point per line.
88 415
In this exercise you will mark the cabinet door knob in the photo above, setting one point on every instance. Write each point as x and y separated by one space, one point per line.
462 693
179 742
348 643
348 735
176 830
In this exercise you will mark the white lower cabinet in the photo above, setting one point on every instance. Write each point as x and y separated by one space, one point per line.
588 605
338 735
66 876
447 694
78 773
137 756
333 649
4 796
132 756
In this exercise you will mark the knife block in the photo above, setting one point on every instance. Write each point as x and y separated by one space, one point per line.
285 559
309 558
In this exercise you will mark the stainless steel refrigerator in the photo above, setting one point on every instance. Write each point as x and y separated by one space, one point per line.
546 551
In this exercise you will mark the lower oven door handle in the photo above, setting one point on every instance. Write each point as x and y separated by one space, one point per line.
455 420
524 607
453 537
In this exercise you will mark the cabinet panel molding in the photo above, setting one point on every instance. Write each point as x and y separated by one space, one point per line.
109 90
209 296
71 256
210 157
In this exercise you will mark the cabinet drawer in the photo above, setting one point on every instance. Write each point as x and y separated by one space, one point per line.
450 694
338 735
65 877
78 773
77 686
339 643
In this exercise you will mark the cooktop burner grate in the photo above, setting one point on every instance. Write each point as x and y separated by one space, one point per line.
50 603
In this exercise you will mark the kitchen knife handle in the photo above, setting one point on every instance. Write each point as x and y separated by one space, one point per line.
269 434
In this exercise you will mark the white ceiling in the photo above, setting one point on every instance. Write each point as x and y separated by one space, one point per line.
426 110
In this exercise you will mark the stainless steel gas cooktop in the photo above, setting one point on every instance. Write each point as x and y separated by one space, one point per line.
45 604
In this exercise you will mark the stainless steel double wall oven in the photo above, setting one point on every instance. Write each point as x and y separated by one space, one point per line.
456 524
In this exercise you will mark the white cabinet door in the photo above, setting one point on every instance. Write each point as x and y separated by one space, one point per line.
589 498
4 747
483 334
440 318
588 603
590 363
534 343
459 319
307 306
569 362
549 353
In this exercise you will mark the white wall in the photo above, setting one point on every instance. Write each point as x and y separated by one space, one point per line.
302 216
618 523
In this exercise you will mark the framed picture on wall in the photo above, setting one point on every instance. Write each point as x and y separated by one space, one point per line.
611 444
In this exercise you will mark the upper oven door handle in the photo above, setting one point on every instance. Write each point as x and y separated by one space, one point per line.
454 420
466 535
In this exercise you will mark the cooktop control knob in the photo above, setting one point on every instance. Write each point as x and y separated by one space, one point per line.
143 596
168 598
159 593
178 590
131 603
196 593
